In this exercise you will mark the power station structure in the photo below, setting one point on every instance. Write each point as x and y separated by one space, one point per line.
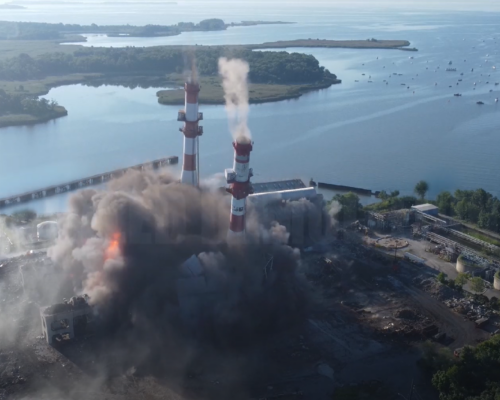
290 203
192 131
240 187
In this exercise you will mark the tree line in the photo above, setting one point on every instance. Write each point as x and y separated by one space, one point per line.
45 31
473 375
22 104
476 206
351 208
265 67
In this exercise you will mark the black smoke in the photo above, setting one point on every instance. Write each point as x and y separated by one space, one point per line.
124 248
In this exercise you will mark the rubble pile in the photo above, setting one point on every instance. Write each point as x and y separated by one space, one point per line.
469 308
11 372
406 314
456 300
410 324
358 226
436 289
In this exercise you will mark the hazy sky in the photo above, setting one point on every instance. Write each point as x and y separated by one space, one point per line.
451 5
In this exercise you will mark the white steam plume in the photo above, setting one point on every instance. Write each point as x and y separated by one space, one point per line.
333 211
234 75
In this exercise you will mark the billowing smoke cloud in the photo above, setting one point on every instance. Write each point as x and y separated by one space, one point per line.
125 247
302 222
234 73
214 183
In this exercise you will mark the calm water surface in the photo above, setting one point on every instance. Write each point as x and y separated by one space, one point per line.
374 135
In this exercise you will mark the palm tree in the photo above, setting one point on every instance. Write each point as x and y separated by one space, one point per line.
421 189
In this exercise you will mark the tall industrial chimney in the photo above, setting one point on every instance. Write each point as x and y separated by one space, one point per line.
239 180
190 116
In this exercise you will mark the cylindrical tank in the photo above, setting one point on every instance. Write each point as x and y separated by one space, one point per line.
496 281
47 230
464 265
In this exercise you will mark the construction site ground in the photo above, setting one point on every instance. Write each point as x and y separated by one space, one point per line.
364 330
433 263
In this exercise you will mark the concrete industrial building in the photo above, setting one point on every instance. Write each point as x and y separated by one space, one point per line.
66 320
429 209
300 211
305 220
294 205
278 186
390 220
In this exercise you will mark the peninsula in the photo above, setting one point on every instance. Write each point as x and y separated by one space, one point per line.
19 109
30 68
213 92
162 67
350 44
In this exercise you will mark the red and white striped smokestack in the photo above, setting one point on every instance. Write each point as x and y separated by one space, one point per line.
190 116
239 179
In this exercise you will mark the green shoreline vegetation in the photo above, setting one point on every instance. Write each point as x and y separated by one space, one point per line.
212 92
477 210
274 75
18 109
41 63
69 32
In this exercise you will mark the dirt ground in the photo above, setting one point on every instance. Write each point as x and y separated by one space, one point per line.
365 330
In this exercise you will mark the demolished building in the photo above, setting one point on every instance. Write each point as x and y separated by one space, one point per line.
65 321
300 209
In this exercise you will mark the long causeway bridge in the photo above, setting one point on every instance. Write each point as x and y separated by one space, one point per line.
82 183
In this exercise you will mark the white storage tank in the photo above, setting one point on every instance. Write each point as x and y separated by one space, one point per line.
47 231
496 280
467 266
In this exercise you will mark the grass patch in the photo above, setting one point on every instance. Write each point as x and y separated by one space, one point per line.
352 44
27 119
212 92
41 87
482 237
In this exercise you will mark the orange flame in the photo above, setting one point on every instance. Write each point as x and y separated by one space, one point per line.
113 249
